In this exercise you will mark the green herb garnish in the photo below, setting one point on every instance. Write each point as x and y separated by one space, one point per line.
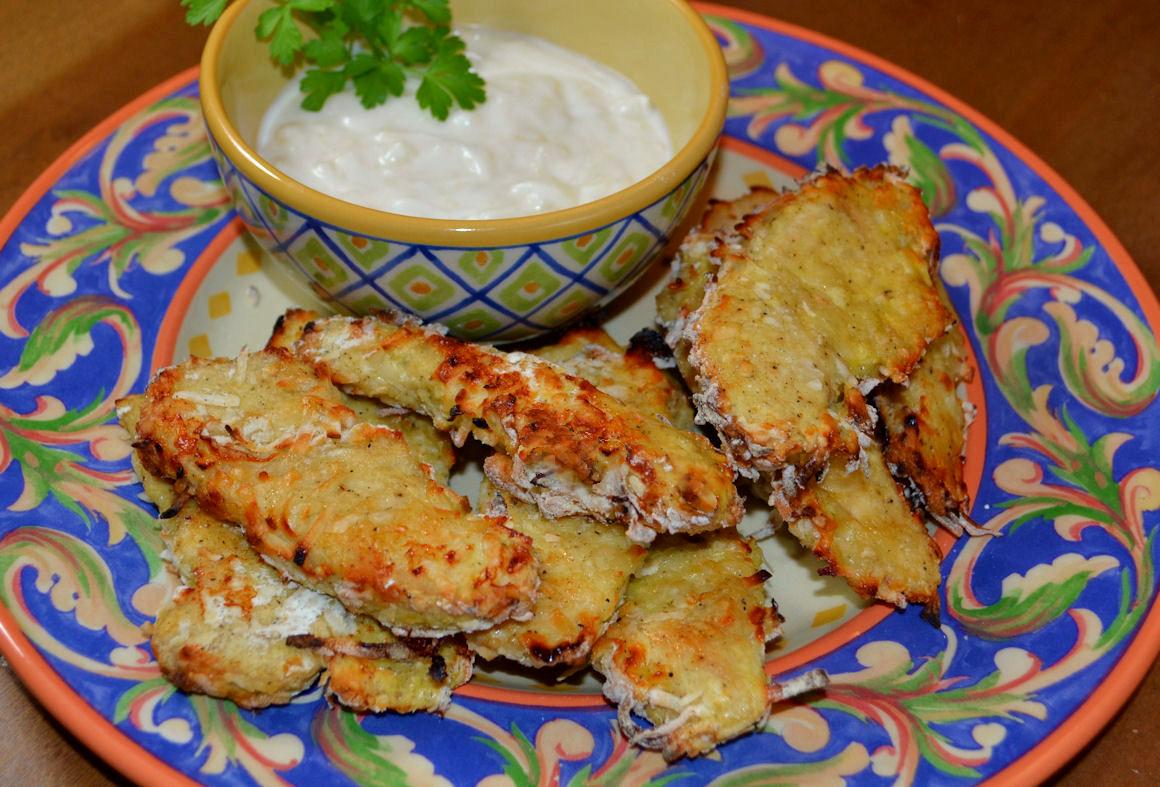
374 44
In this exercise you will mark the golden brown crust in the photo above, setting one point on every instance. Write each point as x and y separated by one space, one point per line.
369 670
224 633
158 490
585 566
696 266
825 292
337 504
924 424
857 520
230 632
687 651
427 443
289 327
567 446
628 375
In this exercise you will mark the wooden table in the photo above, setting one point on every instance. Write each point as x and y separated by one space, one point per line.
1075 81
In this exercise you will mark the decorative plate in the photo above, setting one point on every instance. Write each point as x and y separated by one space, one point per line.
125 256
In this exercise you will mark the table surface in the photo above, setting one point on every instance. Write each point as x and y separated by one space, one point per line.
1074 81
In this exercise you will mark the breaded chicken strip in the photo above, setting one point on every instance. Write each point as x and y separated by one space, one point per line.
575 603
228 632
924 423
238 631
565 445
687 651
820 296
584 567
857 520
339 505
223 633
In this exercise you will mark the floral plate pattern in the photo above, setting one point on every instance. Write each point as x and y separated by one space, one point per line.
1048 623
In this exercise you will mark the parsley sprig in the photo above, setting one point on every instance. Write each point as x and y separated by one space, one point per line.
373 44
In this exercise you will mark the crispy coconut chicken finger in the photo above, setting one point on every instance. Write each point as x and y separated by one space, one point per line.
565 445
812 301
339 505
858 521
237 630
584 565
687 651
924 423
223 632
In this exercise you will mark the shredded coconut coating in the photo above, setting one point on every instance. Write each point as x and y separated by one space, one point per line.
829 288
785 312
563 444
237 630
859 522
925 424
338 504
687 651
585 565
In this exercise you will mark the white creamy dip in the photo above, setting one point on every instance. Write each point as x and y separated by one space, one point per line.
557 130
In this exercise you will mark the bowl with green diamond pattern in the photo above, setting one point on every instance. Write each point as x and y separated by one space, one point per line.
496 280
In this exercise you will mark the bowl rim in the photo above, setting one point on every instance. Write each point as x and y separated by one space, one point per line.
466 233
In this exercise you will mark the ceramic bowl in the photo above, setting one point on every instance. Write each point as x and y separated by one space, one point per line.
491 280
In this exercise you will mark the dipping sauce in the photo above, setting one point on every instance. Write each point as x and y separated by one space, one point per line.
557 130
